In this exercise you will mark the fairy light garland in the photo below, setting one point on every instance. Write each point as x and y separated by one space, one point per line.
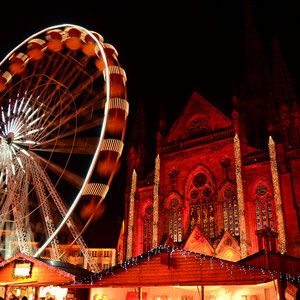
230 267
240 196
277 197
156 202
131 215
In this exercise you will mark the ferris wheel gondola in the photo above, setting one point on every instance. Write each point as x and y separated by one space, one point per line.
64 108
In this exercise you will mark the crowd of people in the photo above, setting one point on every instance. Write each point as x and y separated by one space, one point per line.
22 295
12 296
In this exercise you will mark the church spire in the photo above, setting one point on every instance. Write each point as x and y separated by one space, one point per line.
283 92
257 79
161 129
138 136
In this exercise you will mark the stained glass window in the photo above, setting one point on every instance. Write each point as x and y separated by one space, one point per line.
198 212
230 217
201 204
175 221
211 220
171 223
225 215
179 226
263 207
175 226
270 212
257 213
205 218
147 228
236 217
230 212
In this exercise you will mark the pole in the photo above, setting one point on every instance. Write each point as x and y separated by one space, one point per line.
277 197
156 202
131 216
240 196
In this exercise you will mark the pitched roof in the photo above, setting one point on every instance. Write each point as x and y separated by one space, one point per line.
42 272
197 106
281 262
167 265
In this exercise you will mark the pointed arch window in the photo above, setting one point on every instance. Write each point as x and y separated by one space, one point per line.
263 206
201 204
175 220
230 212
147 228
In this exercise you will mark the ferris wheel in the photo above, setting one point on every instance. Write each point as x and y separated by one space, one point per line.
63 112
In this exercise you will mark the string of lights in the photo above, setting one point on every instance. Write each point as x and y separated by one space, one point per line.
155 202
277 197
131 216
240 196
231 267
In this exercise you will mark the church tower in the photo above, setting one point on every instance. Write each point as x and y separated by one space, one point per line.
256 84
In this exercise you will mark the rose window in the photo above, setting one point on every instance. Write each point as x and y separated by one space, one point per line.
197 124
149 209
261 190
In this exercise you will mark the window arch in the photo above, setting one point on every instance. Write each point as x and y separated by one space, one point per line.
173 206
230 210
263 201
147 228
200 190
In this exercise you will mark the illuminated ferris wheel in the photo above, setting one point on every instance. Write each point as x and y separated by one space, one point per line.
64 107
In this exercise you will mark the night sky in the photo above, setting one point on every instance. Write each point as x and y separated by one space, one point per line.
168 49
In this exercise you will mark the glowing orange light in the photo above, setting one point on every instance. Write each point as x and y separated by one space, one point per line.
22 270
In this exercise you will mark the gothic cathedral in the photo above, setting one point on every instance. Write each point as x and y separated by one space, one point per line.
222 182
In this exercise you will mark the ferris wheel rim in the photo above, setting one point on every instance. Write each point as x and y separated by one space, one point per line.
102 131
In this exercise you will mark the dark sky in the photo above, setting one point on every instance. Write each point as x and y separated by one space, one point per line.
167 49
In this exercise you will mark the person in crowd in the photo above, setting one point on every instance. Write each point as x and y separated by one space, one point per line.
49 296
23 295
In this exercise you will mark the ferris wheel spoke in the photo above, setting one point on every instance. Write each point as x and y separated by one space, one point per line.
40 121
81 128
65 122
67 175
73 70
85 146
63 82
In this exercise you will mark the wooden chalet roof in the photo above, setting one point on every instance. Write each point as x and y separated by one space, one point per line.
166 265
43 272
283 263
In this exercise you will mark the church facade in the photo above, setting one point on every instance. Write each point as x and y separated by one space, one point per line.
220 184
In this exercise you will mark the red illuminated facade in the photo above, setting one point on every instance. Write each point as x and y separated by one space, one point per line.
198 205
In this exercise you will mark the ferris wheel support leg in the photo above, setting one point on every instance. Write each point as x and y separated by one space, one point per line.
45 209
70 223
24 211
19 221
14 188
6 241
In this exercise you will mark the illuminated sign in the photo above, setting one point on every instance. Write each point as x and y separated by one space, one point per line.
22 270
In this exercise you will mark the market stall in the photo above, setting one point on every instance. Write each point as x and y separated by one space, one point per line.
170 273
39 278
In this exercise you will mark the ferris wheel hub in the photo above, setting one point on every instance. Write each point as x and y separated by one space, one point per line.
10 138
